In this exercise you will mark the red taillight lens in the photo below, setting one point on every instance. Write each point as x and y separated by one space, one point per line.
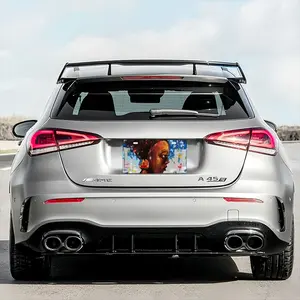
255 140
248 200
66 140
64 200
262 141
49 140
234 139
43 141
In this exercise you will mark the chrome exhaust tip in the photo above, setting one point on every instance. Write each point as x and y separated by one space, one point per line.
52 243
255 242
73 243
233 242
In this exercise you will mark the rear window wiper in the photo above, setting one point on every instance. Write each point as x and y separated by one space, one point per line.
179 112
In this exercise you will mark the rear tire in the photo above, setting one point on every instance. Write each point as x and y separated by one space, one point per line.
26 264
274 267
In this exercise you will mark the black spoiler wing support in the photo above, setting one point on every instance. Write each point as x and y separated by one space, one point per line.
162 62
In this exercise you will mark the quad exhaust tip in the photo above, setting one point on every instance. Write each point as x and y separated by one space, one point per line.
233 242
63 240
73 243
52 243
255 242
252 240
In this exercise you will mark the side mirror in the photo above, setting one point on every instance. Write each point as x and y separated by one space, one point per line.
272 125
20 129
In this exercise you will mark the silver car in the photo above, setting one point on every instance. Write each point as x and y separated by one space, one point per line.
150 157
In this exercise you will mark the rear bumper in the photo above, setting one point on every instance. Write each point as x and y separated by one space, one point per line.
182 215
157 241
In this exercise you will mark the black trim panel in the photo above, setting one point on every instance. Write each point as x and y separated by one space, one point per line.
183 241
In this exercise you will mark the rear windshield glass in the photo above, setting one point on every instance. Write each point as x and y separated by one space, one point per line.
134 100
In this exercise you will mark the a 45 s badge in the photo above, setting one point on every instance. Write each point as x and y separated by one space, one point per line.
212 179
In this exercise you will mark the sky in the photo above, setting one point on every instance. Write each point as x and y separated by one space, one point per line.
38 37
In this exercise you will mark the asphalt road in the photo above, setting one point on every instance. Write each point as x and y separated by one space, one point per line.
205 278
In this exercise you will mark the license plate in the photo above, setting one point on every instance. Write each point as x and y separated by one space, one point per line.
150 156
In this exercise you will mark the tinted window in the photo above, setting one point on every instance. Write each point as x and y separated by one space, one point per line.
133 100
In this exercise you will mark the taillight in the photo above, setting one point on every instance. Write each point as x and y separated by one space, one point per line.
50 140
262 141
255 140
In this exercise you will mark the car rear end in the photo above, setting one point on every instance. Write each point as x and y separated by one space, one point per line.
104 174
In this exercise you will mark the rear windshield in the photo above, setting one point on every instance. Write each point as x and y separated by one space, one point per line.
132 100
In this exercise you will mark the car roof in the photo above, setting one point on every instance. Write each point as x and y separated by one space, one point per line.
111 68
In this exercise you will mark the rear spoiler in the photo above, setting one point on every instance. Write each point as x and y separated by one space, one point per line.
90 69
